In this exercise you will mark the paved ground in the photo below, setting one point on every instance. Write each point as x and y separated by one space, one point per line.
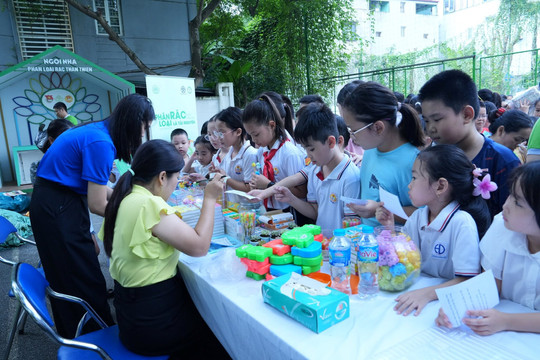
34 344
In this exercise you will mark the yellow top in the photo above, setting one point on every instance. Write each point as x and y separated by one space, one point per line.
138 258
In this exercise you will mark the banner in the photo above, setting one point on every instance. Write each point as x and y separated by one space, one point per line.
173 99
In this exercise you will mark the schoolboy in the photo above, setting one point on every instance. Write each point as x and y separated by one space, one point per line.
333 175
450 106
180 140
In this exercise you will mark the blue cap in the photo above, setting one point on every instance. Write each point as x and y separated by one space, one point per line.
339 232
367 229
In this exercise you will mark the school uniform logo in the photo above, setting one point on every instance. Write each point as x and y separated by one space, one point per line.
307 161
276 171
333 198
440 250
237 169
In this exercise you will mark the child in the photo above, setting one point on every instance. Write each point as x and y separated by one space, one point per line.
482 119
447 228
450 106
333 175
198 165
511 249
221 148
512 129
143 237
180 140
390 134
237 164
268 121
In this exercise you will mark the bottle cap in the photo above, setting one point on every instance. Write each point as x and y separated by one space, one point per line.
339 232
367 229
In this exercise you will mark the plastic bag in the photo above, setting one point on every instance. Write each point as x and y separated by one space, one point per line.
18 203
21 223
225 266
41 138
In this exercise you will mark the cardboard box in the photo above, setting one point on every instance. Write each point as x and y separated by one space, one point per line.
307 301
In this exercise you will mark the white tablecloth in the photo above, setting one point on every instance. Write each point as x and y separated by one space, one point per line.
250 329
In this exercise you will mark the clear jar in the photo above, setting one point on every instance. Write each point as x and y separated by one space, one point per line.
399 259
248 213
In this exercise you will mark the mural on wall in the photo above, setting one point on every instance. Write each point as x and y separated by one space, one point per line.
29 90
45 90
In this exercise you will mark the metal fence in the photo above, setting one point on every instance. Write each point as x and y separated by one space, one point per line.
505 73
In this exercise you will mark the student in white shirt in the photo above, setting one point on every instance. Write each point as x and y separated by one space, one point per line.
237 164
511 249
216 142
200 162
267 120
333 175
447 228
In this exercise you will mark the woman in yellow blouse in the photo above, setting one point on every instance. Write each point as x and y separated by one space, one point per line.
143 236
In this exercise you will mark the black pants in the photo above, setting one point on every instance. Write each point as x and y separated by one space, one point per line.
161 319
61 226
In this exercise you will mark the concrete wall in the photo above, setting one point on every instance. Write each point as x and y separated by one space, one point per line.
8 46
157 31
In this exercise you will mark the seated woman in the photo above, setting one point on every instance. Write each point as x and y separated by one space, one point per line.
143 236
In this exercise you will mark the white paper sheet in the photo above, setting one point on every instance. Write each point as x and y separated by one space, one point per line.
348 200
241 193
478 293
392 203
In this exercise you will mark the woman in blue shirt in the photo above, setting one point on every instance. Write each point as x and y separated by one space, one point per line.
72 178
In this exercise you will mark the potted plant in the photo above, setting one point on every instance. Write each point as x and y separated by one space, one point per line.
254 240
265 235
275 234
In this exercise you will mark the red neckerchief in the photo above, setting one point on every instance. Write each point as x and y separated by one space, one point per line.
268 170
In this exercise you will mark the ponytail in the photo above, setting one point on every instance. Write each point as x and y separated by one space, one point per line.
410 126
372 101
451 163
150 159
270 106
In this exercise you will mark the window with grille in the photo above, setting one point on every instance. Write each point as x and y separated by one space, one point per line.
42 24
111 12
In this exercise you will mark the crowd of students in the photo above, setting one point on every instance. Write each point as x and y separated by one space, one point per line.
458 175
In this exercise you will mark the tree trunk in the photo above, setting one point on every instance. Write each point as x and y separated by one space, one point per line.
113 36
203 12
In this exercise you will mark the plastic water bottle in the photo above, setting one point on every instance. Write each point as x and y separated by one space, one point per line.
368 269
340 256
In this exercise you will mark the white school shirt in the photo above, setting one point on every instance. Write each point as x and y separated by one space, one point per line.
287 161
449 244
200 168
215 161
240 167
344 180
507 254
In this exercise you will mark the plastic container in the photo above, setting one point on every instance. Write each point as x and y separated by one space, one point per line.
368 258
248 219
399 259
340 257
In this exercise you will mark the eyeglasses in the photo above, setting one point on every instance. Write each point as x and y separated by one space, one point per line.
217 135
353 133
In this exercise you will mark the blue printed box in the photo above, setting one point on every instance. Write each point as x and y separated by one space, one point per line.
307 301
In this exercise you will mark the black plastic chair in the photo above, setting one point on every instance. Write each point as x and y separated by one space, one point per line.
32 290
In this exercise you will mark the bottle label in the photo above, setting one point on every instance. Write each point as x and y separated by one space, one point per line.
368 253
340 257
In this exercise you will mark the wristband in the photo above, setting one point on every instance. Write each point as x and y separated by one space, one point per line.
271 183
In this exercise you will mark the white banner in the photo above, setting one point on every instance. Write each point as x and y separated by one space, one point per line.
173 99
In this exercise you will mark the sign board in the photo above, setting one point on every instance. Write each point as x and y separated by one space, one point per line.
174 103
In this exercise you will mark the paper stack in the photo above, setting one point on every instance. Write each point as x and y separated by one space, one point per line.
190 215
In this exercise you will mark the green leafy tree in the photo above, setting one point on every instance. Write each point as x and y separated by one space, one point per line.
287 43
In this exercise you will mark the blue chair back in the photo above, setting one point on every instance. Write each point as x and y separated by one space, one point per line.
6 228
34 286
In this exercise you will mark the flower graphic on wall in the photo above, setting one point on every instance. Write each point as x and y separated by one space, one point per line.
47 89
